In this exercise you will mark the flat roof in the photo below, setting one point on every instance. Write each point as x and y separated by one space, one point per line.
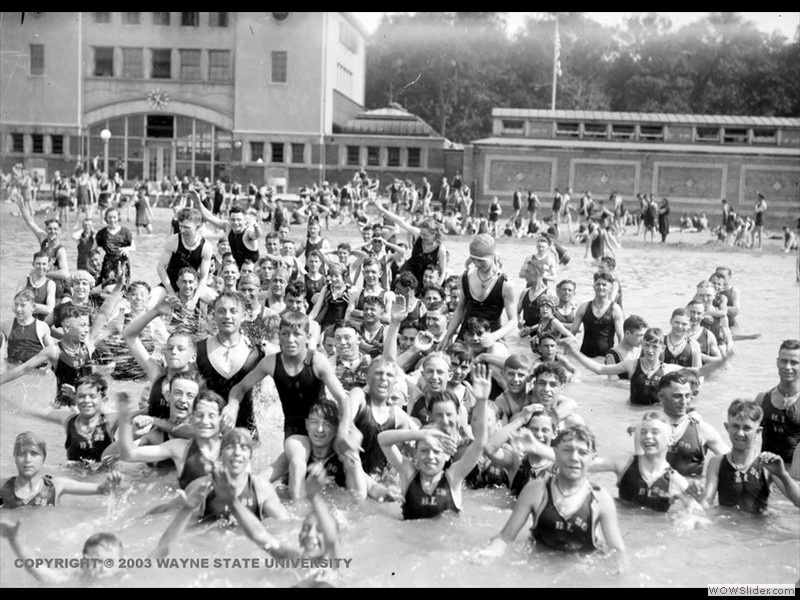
636 117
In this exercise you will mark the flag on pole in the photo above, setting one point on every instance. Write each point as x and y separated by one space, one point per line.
557 52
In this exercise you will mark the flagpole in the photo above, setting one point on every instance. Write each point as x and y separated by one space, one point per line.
556 58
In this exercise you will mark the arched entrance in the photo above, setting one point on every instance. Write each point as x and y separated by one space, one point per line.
151 146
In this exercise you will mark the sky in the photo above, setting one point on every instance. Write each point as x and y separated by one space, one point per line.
785 22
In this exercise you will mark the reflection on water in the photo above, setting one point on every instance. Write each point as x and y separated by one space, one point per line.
665 550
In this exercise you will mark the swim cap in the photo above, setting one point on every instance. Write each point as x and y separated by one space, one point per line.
481 246
81 275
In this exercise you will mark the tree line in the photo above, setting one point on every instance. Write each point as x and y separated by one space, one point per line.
452 68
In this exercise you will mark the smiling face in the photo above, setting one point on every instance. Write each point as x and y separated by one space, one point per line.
23 310
742 432
182 394
515 379
565 293
652 351
696 311
655 437
436 374
250 293
444 415
112 218
321 431
430 459
81 289
228 315
680 325
206 419
53 230
406 338
88 400
237 222
788 364
187 285
436 323
278 285
676 399
346 340
547 389
76 329
29 461
41 265
459 371
541 427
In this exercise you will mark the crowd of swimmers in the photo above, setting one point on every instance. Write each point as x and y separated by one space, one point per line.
393 371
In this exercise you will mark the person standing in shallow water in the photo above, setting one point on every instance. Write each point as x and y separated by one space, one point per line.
663 219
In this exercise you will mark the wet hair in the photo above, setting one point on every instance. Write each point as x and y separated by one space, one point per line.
672 377
70 311
190 374
459 352
723 271
609 261
344 246
233 295
436 355
371 261
437 308
564 282
236 209
433 226
41 254
679 312
633 323
434 398
191 270
705 284
327 409
747 408
294 320
406 279
189 214
29 438
694 301
434 288
238 435
185 334
550 368
517 361
790 345
25 295
94 380
380 361
296 289
451 281
477 325
691 377
653 335
654 415
211 397
602 275
543 412
104 539
547 336
336 269
577 432
138 283
375 301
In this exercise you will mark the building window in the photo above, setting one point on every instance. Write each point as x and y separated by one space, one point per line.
160 18
131 18
102 17
57 143
162 64
103 62
707 134
17 142
765 136
373 156
570 130
651 132
37 59
353 156
190 65
348 37
735 136
256 151
219 65
298 153
190 19
344 80
279 66
623 132
277 152
38 143
218 19
160 126
132 63
513 127
393 157
594 130
414 157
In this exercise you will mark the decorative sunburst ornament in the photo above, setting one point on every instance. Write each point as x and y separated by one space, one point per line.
158 99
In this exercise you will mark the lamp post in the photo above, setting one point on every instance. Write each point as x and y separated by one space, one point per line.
105 135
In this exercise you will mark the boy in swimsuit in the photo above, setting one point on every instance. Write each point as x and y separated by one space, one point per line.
26 335
427 487
101 553
742 477
569 513
31 487
781 404
631 345
647 478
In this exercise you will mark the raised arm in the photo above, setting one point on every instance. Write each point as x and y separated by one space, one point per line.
480 387
26 217
323 369
414 231
135 328
209 216
626 366
49 354
10 530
